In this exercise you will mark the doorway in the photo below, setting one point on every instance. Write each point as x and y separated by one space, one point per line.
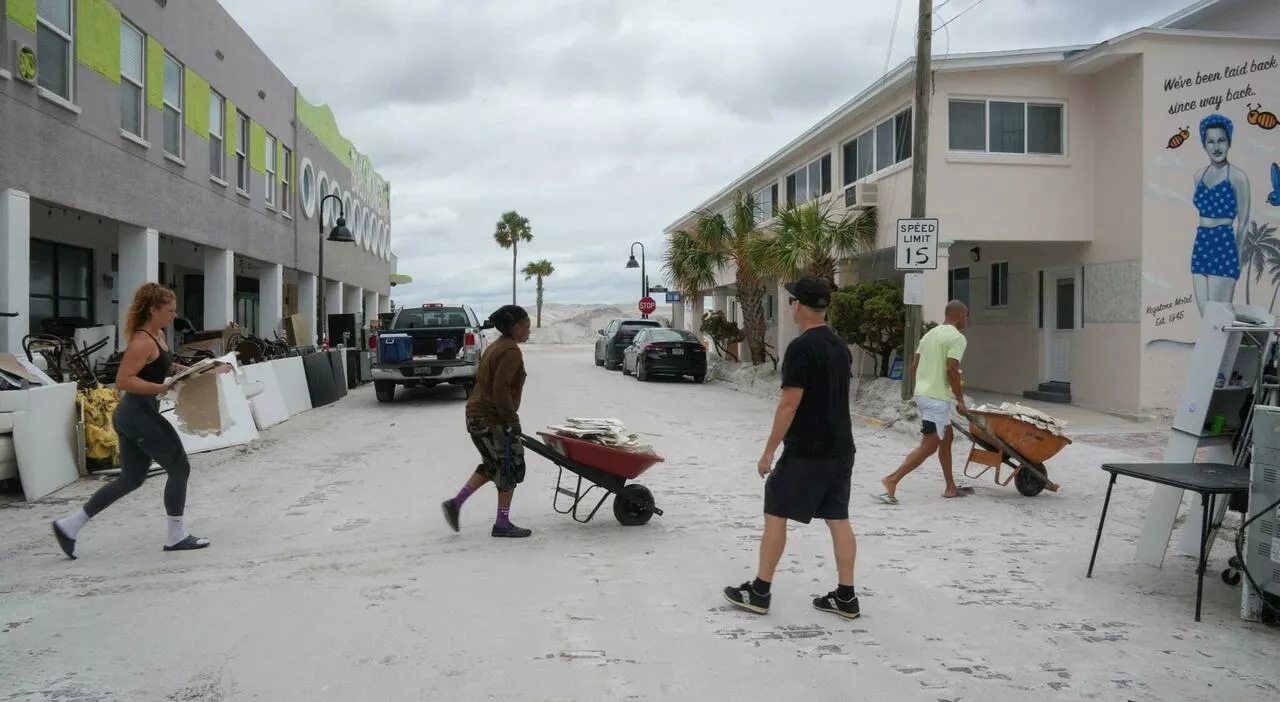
1062 305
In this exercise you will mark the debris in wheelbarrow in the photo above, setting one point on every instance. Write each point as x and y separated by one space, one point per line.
599 466
610 432
1017 436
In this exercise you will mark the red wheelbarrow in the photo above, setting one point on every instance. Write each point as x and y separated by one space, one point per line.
605 467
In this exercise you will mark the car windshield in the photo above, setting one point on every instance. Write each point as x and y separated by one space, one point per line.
659 335
628 331
429 317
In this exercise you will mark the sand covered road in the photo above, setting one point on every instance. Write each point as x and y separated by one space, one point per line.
333 577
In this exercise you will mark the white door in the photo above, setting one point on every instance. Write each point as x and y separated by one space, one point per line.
1063 324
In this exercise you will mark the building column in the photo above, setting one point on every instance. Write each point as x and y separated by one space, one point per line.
677 314
935 286
787 329
271 301
370 307
384 303
352 301
15 267
139 264
219 287
307 300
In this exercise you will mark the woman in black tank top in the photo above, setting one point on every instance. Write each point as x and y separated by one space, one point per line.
144 434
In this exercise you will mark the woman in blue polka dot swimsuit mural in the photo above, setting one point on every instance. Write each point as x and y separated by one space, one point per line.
1222 197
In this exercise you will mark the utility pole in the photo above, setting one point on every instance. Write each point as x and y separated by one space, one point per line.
919 166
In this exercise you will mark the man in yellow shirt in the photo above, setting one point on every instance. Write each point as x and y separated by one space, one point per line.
936 369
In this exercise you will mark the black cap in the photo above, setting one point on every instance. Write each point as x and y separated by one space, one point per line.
811 291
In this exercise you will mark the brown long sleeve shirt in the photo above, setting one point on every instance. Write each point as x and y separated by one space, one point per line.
499 384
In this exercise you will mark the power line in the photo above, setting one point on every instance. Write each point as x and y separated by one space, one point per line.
961 13
897 12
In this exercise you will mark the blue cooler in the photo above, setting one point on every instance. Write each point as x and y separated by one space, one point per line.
395 348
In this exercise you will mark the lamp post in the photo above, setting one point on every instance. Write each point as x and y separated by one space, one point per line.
341 234
644 278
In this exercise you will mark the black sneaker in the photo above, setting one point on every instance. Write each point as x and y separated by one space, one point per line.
830 603
450 513
67 543
744 597
511 531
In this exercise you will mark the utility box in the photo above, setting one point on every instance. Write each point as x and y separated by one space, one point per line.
1262 540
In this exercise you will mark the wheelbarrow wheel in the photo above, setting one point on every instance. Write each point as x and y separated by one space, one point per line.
629 505
1028 483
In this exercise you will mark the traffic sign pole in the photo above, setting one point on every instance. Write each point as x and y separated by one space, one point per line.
919 162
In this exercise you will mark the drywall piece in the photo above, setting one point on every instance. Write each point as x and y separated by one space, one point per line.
267 403
8 457
44 437
211 411
292 379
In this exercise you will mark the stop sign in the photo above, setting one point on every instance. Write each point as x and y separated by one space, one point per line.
647 305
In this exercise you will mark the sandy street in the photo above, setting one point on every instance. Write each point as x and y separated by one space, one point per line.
332 576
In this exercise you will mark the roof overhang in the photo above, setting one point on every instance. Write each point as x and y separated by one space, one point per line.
1193 14
1112 51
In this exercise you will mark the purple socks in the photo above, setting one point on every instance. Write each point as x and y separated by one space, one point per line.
463 494
504 516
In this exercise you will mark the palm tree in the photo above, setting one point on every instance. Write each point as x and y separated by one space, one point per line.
1260 247
810 239
510 231
694 257
540 270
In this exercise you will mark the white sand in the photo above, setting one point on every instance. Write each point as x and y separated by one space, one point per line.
577 324
333 577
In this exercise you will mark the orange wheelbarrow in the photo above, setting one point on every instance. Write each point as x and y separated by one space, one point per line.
1003 440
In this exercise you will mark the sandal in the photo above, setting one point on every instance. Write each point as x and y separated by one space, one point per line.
190 543
885 498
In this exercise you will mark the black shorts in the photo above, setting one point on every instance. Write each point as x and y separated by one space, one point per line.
804 489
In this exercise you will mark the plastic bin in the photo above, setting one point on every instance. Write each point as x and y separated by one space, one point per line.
395 348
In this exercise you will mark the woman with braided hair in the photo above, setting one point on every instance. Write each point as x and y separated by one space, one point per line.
494 423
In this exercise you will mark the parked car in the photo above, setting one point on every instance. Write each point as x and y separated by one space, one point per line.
446 343
665 352
616 337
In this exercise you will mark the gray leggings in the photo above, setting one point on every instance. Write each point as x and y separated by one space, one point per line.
145 435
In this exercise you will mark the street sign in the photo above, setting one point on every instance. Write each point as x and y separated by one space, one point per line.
657 288
674 297
917 245
647 305
913 289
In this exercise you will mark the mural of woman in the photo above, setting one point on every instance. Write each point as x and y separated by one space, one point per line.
1222 197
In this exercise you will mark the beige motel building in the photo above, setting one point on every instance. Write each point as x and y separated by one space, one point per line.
1064 180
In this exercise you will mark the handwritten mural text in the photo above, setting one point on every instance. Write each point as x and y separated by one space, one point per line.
1167 312
1208 77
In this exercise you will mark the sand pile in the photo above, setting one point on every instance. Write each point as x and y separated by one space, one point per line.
577 324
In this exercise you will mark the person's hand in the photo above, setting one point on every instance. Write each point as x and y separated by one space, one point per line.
765 465
962 408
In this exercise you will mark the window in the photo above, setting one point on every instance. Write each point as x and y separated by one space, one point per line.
999 284
1006 127
133 82
61 282
286 178
766 203
887 144
958 285
270 179
217 136
55 34
242 152
810 181
172 106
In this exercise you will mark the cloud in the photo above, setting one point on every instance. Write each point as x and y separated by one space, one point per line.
599 120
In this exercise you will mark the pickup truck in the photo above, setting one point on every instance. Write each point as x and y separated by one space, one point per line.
447 343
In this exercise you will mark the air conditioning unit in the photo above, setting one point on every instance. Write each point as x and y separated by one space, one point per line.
861 195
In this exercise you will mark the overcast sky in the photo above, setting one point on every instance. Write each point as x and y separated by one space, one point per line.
602 121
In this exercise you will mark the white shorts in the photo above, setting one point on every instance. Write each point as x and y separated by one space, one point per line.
935 415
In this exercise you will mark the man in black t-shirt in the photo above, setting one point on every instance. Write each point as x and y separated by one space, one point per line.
812 478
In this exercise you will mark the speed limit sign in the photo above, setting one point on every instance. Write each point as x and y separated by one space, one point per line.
917 245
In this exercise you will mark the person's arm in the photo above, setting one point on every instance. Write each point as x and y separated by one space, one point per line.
795 375
954 354
505 373
915 365
136 355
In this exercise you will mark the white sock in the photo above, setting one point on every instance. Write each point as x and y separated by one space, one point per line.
71 525
176 531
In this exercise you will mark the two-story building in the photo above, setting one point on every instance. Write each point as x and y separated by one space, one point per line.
144 140
1065 180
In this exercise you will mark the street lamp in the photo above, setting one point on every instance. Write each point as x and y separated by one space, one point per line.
644 278
340 234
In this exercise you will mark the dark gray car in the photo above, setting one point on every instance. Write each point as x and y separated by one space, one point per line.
616 337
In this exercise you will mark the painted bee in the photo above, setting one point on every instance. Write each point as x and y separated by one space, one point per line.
1179 138
1266 120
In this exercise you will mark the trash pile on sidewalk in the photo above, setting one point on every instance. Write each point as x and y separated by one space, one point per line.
1030 415
604 431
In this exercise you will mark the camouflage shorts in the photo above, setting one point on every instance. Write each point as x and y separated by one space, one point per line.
501 454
